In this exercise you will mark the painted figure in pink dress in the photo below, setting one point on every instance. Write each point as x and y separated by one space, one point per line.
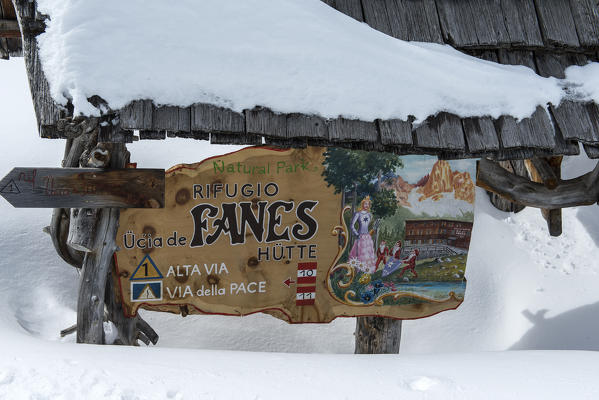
363 248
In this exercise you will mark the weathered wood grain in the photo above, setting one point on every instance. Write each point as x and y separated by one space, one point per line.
265 122
583 190
353 8
306 126
557 23
83 188
575 121
414 20
443 131
138 114
377 335
209 118
82 229
521 23
473 23
342 129
395 132
375 15
592 151
586 19
480 134
239 139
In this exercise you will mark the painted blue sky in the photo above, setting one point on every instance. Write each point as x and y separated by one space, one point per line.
416 166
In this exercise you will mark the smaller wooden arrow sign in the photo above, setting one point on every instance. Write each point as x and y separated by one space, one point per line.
83 188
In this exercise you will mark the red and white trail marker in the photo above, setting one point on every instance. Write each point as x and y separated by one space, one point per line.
306 275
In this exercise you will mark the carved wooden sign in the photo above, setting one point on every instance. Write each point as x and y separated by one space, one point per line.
306 235
83 188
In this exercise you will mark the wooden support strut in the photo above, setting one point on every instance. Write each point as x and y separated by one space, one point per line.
583 190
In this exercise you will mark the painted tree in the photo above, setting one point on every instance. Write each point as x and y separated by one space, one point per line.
359 174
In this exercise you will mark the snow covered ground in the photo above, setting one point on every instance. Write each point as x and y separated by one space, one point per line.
526 291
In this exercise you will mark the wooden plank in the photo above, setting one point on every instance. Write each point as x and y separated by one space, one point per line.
537 131
583 190
473 23
353 8
375 15
517 57
264 122
395 132
480 134
306 126
209 118
586 18
9 28
575 122
557 23
522 23
426 135
8 10
152 135
443 131
137 115
166 118
350 130
592 151
239 139
83 188
414 20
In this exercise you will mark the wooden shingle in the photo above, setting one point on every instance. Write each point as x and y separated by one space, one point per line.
209 118
521 22
586 15
557 23
414 20
375 15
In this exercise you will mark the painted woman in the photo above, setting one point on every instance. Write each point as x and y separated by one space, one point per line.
363 248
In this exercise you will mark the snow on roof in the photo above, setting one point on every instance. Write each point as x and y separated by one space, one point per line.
288 55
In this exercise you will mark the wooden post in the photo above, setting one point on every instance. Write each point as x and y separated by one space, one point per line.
377 335
548 171
96 266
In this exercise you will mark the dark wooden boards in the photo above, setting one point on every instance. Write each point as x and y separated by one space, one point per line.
83 188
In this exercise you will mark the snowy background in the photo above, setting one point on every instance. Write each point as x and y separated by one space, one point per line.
526 291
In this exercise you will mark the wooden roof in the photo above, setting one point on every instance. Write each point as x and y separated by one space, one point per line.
10 35
545 35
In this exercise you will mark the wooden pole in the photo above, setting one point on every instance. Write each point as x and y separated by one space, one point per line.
377 335
97 266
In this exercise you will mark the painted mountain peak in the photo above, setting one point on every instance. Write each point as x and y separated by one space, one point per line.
440 181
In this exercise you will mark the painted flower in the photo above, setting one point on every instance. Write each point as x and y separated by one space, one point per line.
364 279
378 283
354 263
367 297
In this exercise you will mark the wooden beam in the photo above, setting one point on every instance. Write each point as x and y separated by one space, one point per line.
9 28
83 188
583 190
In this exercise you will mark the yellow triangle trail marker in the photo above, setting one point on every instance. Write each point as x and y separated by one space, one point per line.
146 269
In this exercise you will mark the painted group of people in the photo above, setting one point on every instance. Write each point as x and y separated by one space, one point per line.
363 248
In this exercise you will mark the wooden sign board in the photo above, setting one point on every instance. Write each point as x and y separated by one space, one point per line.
306 235
83 188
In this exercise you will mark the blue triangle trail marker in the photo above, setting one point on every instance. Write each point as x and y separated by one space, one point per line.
146 269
